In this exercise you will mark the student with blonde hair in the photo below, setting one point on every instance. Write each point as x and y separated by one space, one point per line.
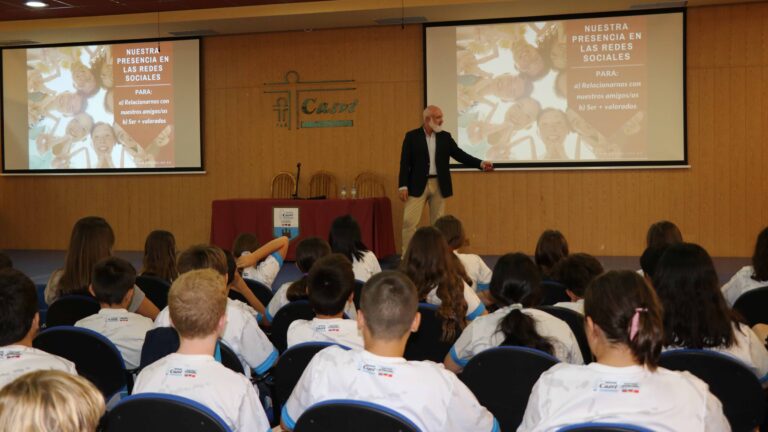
198 305
50 401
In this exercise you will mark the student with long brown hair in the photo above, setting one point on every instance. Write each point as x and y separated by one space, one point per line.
437 274
92 239
623 321
550 248
515 290
696 315
750 277
160 256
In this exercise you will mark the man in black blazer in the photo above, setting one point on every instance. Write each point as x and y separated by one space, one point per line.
424 172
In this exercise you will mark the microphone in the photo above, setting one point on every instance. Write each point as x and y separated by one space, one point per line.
298 175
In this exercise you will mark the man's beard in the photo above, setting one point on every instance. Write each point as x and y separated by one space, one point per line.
435 127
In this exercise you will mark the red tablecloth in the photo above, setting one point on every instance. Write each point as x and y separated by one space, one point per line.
231 217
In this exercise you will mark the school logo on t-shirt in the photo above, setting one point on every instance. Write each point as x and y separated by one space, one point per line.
630 388
117 319
10 355
607 387
175 371
190 373
368 368
386 372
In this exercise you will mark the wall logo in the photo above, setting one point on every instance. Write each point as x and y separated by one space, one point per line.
301 104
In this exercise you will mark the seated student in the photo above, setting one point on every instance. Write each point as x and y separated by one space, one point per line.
242 332
660 235
5 261
550 248
308 251
263 263
237 284
198 305
345 238
50 401
160 256
750 277
19 322
331 284
696 315
436 272
625 384
112 286
422 391
477 270
576 271
515 289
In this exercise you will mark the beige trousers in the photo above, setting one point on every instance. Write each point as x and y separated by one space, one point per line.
414 207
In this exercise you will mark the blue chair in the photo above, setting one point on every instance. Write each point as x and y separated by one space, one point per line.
261 291
553 292
157 412
290 366
342 415
42 306
426 343
575 321
753 306
94 356
155 289
729 380
162 341
502 379
287 314
603 427
69 309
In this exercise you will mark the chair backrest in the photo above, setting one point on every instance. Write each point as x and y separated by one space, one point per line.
162 341
753 306
228 358
94 356
575 321
42 306
358 292
553 292
155 289
426 343
69 309
342 415
284 317
157 412
729 380
290 367
261 291
322 183
368 185
502 379
283 185
603 427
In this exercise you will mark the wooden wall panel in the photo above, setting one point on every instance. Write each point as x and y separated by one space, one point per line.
719 202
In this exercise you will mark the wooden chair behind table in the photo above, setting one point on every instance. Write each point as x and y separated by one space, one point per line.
368 185
283 185
322 183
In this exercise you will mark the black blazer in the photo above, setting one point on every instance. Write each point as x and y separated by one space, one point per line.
414 161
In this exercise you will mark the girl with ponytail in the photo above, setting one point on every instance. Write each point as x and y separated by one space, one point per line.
440 280
623 321
515 290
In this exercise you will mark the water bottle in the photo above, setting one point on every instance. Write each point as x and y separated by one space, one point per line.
354 192
343 192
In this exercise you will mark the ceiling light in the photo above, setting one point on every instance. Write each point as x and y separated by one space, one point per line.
36 4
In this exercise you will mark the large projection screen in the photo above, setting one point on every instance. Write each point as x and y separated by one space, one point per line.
581 91
102 107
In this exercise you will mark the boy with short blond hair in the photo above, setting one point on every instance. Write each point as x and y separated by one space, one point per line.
198 304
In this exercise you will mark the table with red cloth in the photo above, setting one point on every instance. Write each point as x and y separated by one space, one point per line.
234 216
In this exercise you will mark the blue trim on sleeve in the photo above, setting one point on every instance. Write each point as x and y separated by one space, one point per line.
217 352
278 257
287 418
268 316
764 379
268 363
477 312
456 359
259 317
496 427
483 286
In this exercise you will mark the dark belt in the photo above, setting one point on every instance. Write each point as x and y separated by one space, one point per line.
432 176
